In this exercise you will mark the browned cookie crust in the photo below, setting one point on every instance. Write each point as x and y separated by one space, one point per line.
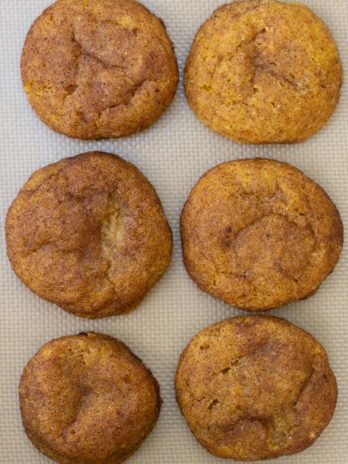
263 71
98 68
88 399
255 388
258 234
89 234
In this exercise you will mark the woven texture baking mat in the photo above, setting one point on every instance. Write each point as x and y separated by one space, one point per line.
172 154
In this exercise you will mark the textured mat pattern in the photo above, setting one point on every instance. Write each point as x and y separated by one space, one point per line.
173 154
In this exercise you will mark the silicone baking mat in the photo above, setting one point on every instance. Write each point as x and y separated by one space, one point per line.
172 154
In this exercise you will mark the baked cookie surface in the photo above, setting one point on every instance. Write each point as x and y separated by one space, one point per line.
255 388
258 234
89 234
263 71
97 69
88 399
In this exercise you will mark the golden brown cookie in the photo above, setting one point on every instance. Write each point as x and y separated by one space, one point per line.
88 399
255 388
263 71
89 234
258 234
97 69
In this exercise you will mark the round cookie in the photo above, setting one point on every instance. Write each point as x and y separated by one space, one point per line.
259 234
255 388
88 398
263 71
89 234
96 69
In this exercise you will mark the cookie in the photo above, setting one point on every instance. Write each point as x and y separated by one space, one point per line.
89 234
259 234
95 69
88 398
255 388
263 71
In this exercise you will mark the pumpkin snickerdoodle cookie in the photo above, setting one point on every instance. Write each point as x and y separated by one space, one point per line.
88 399
258 234
97 69
264 71
89 234
255 388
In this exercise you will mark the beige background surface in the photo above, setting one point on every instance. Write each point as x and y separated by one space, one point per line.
173 154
